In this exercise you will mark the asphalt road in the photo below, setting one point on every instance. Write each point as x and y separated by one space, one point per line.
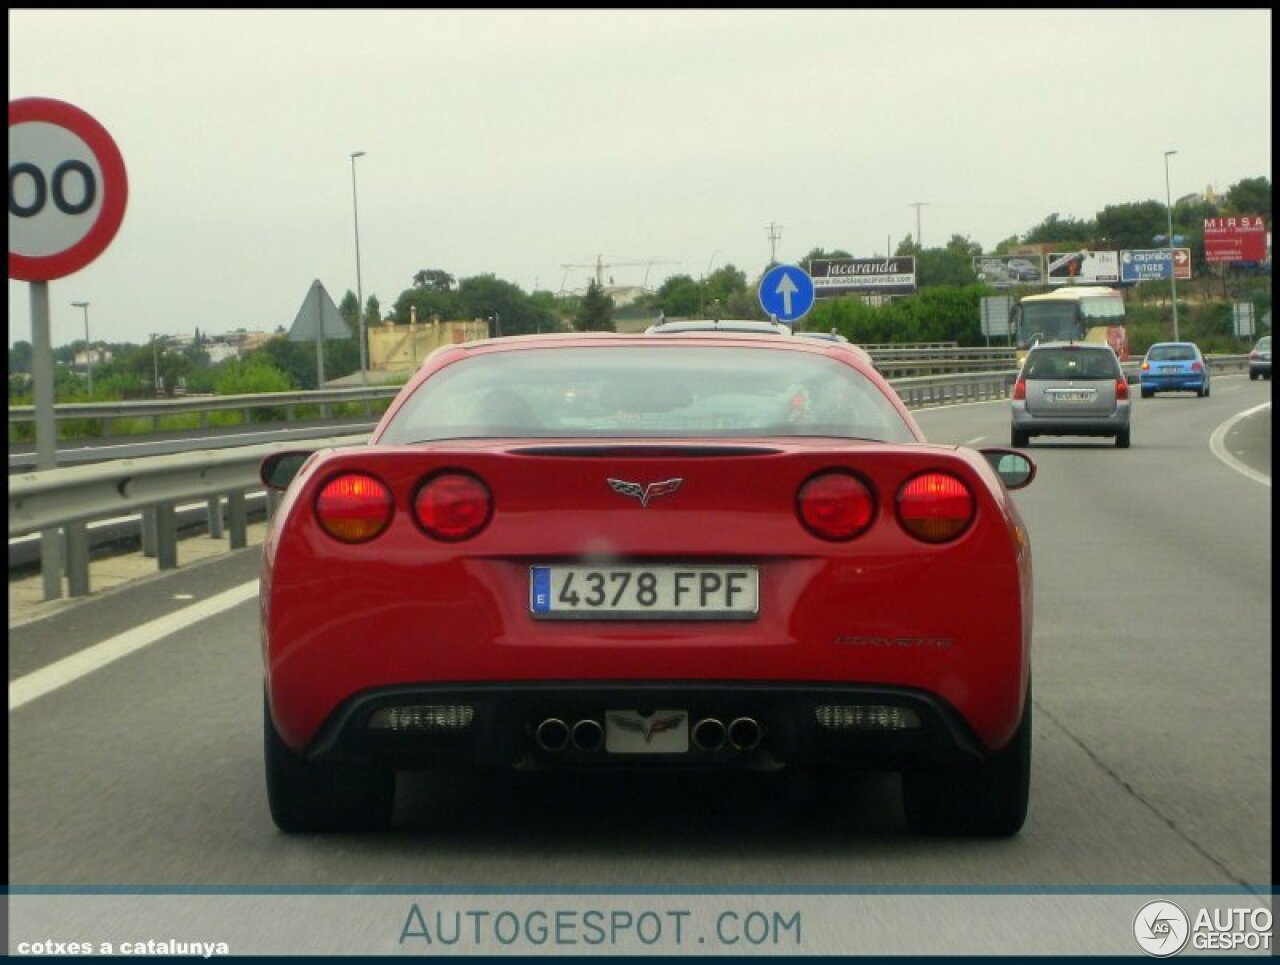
1152 722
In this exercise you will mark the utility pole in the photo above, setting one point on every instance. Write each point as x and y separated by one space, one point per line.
1173 271
918 205
774 237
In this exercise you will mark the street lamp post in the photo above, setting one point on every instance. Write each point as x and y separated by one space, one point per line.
702 288
88 349
155 361
355 212
1173 270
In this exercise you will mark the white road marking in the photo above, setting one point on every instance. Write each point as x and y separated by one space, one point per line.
974 441
70 669
1217 447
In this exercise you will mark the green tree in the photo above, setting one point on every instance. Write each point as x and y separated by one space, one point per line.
422 303
724 282
20 357
595 312
680 296
1250 196
372 312
1058 230
1132 225
296 361
433 279
256 372
347 309
485 296
950 265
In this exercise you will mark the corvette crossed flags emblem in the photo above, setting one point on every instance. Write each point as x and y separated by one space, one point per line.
645 493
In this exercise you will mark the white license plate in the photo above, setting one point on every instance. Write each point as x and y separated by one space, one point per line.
662 732
1073 396
660 592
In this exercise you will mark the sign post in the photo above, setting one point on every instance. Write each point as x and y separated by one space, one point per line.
67 195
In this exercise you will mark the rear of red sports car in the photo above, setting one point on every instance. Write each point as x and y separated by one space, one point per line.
649 551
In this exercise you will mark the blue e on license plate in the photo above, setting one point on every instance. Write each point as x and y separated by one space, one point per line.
658 592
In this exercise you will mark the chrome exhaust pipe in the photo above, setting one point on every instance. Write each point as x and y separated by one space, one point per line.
588 735
552 735
708 734
744 734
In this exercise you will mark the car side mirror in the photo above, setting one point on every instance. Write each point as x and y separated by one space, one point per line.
1015 469
278 469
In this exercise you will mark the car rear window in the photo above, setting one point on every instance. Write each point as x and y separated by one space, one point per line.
1172 353
1072 364
662 391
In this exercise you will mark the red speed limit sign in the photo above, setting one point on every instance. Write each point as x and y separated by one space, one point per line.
67 189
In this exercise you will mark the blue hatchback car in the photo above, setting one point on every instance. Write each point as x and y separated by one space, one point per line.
1174 367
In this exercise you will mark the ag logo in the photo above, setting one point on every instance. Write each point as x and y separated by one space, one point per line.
1161 928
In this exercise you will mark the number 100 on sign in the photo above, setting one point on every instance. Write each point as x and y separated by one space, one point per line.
644 592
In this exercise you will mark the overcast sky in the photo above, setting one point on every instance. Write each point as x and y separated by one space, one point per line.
517 141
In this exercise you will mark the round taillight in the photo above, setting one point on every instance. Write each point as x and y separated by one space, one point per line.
453 506
935 507
354 508
835 505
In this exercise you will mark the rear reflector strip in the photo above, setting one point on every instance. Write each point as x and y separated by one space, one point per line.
866 717
423 717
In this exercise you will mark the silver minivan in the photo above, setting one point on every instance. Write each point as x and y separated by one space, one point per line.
1070 389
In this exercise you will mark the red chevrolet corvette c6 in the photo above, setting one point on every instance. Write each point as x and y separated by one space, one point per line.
678 551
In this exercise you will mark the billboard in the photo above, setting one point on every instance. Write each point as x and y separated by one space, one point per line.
848 276
1152 264
1241 238
1001 271
1083 267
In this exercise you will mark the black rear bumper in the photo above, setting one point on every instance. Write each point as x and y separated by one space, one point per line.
505 719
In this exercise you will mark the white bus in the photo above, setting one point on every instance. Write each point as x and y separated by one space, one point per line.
1076 313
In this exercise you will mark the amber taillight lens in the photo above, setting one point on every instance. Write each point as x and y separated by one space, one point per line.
835 505
354 507
935 507
453 506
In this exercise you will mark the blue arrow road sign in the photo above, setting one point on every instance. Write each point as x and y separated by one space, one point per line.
786 292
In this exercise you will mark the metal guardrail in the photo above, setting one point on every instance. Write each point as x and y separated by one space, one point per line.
157 409
67 499
900 360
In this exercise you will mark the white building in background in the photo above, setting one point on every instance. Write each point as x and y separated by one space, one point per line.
624 295
219 351
95 355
